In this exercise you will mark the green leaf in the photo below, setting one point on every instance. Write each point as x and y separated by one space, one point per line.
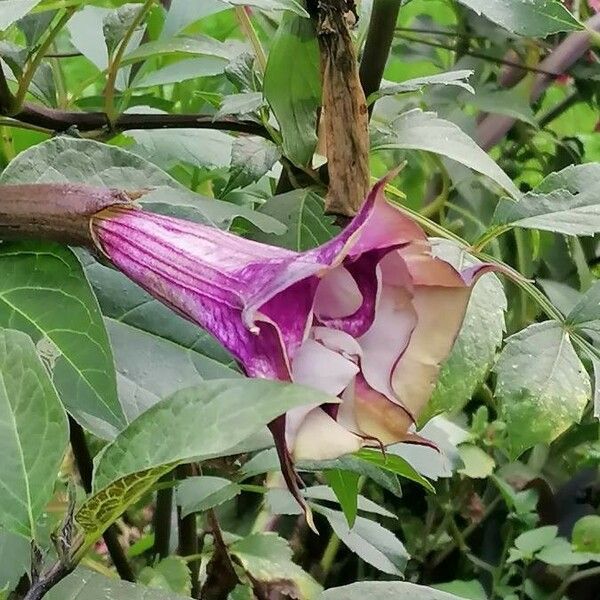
472 590
183 70
13 10
226 411
294 94
168 147
15 559
267 461
242 592
198 494
454 78
150 368
62 159
559 552
586 534
395 464
418 130
268 559
565 202
385 590
251 158
539 403
302 212
84 584
184 13
480 336
373 543
33 434
513 103
170 574
345 487
531 18
532 541
44 292
245 103
477 463
201 45
323 492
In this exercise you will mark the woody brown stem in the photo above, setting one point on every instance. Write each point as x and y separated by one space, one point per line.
55 211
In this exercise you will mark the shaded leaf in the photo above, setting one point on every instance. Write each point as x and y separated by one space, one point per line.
585 315
586 534
477 463
200 45
245 103
302 212
198 494
294 6
33 435
182 70
418 130
15 559
251 158
539 403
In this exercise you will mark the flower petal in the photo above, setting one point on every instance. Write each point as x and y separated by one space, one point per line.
319 437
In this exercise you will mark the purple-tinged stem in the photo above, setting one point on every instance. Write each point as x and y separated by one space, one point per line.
55 211
494 127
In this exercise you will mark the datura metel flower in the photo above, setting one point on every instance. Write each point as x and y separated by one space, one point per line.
368 316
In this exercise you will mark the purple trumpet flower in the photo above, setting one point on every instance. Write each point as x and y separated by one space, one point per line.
367 317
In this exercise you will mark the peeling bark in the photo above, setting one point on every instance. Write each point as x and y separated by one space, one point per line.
344 118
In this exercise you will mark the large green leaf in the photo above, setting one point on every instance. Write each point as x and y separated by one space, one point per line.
294 94
532 18
13 10
373 543
418 130
268 559
200 422
565 202
87 585
302 212
150 368
475 348
44 292
171 574
542 386
86 161
33 434
385 590
345 487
